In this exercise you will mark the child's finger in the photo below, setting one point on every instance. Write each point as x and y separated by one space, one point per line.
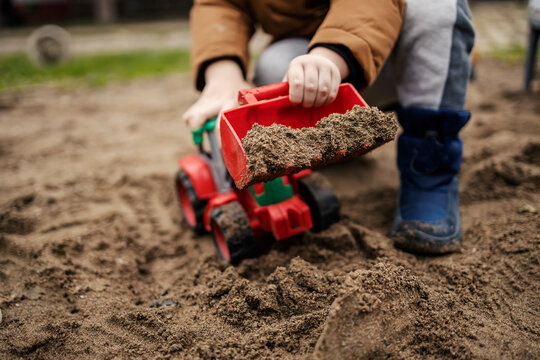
196 116
311 82
324 87
295 77
196 121
334 87
187 116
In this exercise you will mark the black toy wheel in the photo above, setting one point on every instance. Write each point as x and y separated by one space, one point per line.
192 207
323 204
232 233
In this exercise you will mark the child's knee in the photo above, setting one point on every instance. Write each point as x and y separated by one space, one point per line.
274 61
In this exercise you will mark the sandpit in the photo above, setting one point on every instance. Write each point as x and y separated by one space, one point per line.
95 261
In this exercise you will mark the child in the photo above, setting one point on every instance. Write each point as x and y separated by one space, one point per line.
425 48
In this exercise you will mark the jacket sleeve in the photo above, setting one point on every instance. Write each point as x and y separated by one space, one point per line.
220 29
368 28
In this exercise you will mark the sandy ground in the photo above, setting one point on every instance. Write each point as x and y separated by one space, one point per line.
95 261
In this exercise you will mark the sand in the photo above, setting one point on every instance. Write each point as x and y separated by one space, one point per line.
95 261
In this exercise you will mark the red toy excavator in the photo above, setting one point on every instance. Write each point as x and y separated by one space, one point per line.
216 191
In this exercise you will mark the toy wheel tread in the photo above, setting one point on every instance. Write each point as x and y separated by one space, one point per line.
191 206
232 232
318 194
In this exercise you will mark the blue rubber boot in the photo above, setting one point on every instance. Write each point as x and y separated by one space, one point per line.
429 158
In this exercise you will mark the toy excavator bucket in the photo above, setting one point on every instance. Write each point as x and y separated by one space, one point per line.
269 105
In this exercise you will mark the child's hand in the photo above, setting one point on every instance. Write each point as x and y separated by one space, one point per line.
314 78
223 81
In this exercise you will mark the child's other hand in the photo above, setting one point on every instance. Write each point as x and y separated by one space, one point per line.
223 81
314 78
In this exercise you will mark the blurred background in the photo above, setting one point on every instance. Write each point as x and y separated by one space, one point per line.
99 41
34 12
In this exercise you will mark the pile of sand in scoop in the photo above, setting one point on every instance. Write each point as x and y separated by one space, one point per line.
277 148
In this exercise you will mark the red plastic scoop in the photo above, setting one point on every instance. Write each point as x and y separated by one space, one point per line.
269 105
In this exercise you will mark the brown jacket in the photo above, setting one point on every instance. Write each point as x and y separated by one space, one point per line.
222 28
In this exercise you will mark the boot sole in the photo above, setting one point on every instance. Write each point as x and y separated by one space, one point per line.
418 242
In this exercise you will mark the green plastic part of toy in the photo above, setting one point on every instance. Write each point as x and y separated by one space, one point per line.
210 125
275 191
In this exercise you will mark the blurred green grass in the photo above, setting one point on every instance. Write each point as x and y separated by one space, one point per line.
17 71
513 55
